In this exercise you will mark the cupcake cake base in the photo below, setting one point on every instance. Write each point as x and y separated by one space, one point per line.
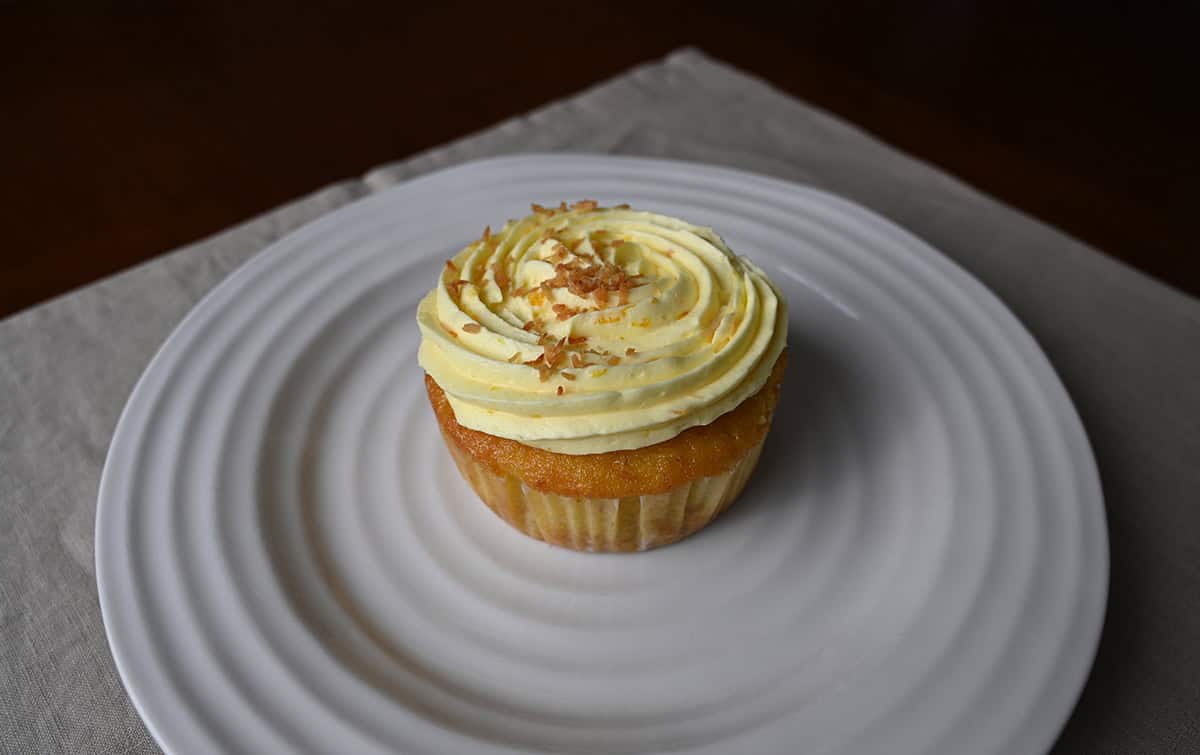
632 523
648 497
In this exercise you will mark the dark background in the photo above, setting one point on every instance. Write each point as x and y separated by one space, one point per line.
132 128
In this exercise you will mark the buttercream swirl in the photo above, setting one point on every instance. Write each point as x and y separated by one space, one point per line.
584 329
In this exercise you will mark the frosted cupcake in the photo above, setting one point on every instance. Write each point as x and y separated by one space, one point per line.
604 378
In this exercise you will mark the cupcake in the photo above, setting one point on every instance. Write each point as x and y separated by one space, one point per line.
604 378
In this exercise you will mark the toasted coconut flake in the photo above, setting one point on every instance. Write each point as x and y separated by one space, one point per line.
567 375
451 266
613 361
500 275
538 209
455 287
562 206
586 205
487 234
539 363
514 358
472 327
522 291
573 340
577 361
559 391
621 207
563 312
630 351
555 352
596 279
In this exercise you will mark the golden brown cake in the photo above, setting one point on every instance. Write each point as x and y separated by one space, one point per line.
604 378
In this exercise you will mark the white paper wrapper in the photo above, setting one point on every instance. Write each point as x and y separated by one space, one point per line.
634 523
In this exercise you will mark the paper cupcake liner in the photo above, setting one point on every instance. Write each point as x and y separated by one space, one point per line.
633 523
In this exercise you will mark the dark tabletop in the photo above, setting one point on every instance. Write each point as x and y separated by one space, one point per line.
132 128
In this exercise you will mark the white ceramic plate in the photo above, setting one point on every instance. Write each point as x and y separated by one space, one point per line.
288 561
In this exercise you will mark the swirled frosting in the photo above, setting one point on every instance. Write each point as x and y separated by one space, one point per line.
584 329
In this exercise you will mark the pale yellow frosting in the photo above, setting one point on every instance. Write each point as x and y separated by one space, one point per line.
704 325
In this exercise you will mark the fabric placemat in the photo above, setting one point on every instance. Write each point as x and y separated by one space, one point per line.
1126 346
